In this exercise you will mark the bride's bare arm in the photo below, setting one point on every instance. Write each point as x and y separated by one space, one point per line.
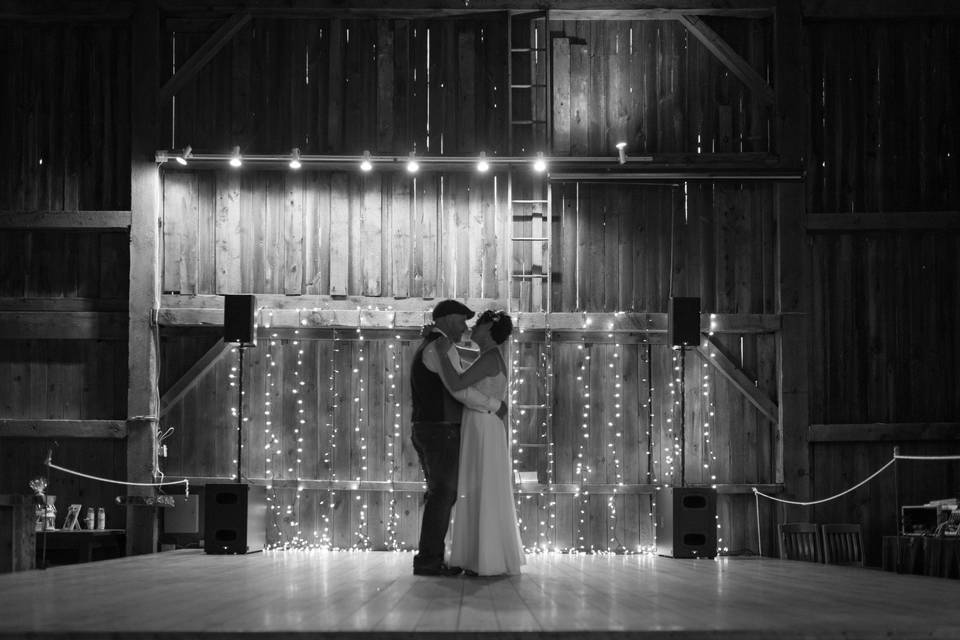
485 367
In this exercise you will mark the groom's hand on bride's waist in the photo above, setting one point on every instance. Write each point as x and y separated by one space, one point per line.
502 411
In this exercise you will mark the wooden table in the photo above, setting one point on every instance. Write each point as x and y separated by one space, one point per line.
111 543
923 555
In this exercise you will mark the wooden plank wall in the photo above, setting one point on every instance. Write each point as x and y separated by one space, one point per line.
884 304
652 85
324 409
379 234
65 145
712 240
66 112
345 86
883 121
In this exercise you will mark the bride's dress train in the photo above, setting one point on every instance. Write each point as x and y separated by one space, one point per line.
485 537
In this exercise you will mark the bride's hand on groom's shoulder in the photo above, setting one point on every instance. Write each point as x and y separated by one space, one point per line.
443 344
427 330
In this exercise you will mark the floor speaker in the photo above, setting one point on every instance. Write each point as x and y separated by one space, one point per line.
686 522
235 518
683 322
239 319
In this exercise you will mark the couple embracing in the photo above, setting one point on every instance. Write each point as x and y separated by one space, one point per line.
460 436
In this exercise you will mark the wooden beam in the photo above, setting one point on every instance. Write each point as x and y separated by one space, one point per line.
64 11
879 9
525 488
65 220
885 432
189 380
728 57
313 312
55 325
19 428
573 9
713 354
203 55
144 282
893 221
63 304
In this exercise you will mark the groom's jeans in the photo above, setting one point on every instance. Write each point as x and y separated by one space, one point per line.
438 445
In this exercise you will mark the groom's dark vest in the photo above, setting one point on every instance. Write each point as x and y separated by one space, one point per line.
431 400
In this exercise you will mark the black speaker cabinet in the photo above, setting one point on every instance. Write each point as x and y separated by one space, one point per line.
239 319
683 322
686 522
235 518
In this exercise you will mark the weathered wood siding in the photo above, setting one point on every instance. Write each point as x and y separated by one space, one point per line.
622 248
884 97
654 86
884 305
380 234
65 114
345 86
322 409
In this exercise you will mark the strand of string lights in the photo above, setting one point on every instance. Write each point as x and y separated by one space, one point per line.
331 457
582 471
393 438
551 506
361 536
516 401
646 379
297 447
708 455
615 444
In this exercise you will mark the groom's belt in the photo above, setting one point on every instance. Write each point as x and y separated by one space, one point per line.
436 424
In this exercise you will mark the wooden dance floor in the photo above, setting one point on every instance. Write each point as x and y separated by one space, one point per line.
188 594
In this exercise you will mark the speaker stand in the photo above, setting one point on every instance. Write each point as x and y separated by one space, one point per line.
241 348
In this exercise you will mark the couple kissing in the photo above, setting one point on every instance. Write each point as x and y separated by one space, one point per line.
460 436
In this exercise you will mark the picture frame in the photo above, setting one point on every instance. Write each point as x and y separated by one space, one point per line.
70 521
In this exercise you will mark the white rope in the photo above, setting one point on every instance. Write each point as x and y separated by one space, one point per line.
812 502
899 457
756 498
184 482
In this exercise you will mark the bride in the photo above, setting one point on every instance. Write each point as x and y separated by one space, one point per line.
485 538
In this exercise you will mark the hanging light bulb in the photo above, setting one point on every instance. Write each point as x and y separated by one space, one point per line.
622 152
183 157
295 158
412 165
366 164
540 164
482 165
235 160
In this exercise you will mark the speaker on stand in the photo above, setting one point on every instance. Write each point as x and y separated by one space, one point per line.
686 517
235 515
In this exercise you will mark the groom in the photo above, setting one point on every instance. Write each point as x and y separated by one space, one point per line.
436 432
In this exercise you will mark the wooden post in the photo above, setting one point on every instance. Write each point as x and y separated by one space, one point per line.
142 405
790 124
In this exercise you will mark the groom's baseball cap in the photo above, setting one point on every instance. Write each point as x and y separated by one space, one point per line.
450 307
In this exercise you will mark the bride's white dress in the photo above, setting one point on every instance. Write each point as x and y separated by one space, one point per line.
485 537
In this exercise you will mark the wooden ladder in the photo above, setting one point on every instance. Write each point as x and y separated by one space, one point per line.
531 248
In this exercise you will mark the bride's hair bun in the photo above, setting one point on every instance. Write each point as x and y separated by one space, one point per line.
502 324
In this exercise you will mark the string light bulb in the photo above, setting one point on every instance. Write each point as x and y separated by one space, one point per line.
540 164
622 152
295 158
183 157
235 159
366 164
412 165
482 165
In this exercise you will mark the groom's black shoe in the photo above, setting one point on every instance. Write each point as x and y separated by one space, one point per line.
440 570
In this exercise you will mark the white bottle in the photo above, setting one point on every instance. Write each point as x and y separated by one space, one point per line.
101 518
